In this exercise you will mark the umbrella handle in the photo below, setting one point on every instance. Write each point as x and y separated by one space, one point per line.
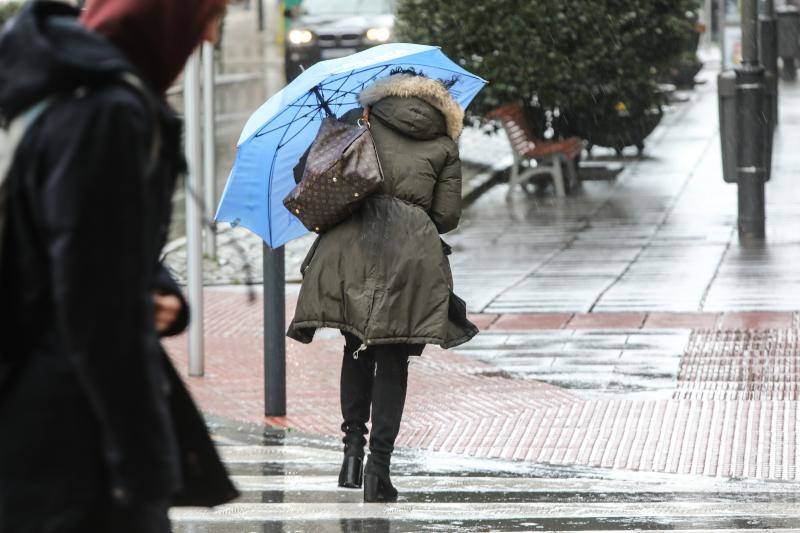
322 102
364 119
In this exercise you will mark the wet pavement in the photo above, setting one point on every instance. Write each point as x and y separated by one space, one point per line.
638 368
599 364
660 238
288 484
718 403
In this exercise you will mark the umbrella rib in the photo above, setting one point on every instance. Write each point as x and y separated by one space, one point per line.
261 132
339 93
338 90
379 68
299 131
312 111
286 125
271 170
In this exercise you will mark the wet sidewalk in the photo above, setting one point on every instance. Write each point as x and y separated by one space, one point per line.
626 334
624 327
662 237
288 485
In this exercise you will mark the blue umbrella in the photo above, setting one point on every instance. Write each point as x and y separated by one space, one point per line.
282 129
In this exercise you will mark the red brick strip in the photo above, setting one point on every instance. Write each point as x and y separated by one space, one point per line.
682 320
607 321
528 322
762 320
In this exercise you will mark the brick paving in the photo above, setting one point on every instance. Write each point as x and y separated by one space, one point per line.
471 396
733 411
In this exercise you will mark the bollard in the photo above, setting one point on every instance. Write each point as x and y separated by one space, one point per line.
788 18
753 127
274 332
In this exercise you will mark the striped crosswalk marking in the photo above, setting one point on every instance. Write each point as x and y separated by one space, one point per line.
297 492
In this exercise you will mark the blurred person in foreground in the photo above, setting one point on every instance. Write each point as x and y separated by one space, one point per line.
98 432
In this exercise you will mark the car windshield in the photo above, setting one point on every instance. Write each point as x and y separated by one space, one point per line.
346 7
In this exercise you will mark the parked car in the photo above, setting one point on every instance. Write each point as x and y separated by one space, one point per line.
326 29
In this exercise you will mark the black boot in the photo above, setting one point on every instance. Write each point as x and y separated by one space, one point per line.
356 396
388 400
377 483
351 476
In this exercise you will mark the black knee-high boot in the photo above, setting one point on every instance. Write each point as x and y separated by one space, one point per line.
356 396
388 400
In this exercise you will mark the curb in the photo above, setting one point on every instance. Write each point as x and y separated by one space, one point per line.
485 181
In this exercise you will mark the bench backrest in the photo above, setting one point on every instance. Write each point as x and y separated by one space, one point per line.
513 119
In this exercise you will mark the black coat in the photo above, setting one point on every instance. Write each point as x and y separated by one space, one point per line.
89 401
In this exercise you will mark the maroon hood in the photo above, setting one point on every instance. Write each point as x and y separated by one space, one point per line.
157 36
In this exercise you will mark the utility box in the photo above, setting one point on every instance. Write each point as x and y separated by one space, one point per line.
726 88
729 129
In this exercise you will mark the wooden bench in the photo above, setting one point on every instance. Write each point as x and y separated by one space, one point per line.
550 157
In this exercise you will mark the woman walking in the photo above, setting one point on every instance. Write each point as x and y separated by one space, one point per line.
382 277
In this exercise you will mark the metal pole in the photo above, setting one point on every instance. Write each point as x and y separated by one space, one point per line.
751 117
707 20
209 148
260 15
768 28
749 32
194 214
274 332
721 21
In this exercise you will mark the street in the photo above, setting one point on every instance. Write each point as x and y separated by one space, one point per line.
637 364
289 485
637 367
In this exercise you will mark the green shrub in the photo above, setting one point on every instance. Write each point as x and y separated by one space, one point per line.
8 10
568 61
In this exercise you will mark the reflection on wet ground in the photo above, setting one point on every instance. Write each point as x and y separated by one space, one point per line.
632 364
288 484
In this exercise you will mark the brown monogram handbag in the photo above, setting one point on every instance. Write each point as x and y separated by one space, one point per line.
341 171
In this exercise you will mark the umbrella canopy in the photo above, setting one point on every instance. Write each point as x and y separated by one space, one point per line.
279 132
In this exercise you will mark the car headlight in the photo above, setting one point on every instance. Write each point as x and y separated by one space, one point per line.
300 36
378 35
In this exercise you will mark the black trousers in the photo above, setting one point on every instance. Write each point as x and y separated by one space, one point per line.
376 380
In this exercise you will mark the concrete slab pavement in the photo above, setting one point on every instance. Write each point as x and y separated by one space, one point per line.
662 237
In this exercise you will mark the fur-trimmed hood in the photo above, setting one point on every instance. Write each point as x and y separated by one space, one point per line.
426 89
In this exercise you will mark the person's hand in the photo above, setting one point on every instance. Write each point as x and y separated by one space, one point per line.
167 310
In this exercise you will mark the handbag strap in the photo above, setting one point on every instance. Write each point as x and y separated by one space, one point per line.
365 115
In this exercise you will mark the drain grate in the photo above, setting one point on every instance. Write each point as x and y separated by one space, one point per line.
741 365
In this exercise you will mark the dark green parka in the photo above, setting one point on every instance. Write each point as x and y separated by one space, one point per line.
382 274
